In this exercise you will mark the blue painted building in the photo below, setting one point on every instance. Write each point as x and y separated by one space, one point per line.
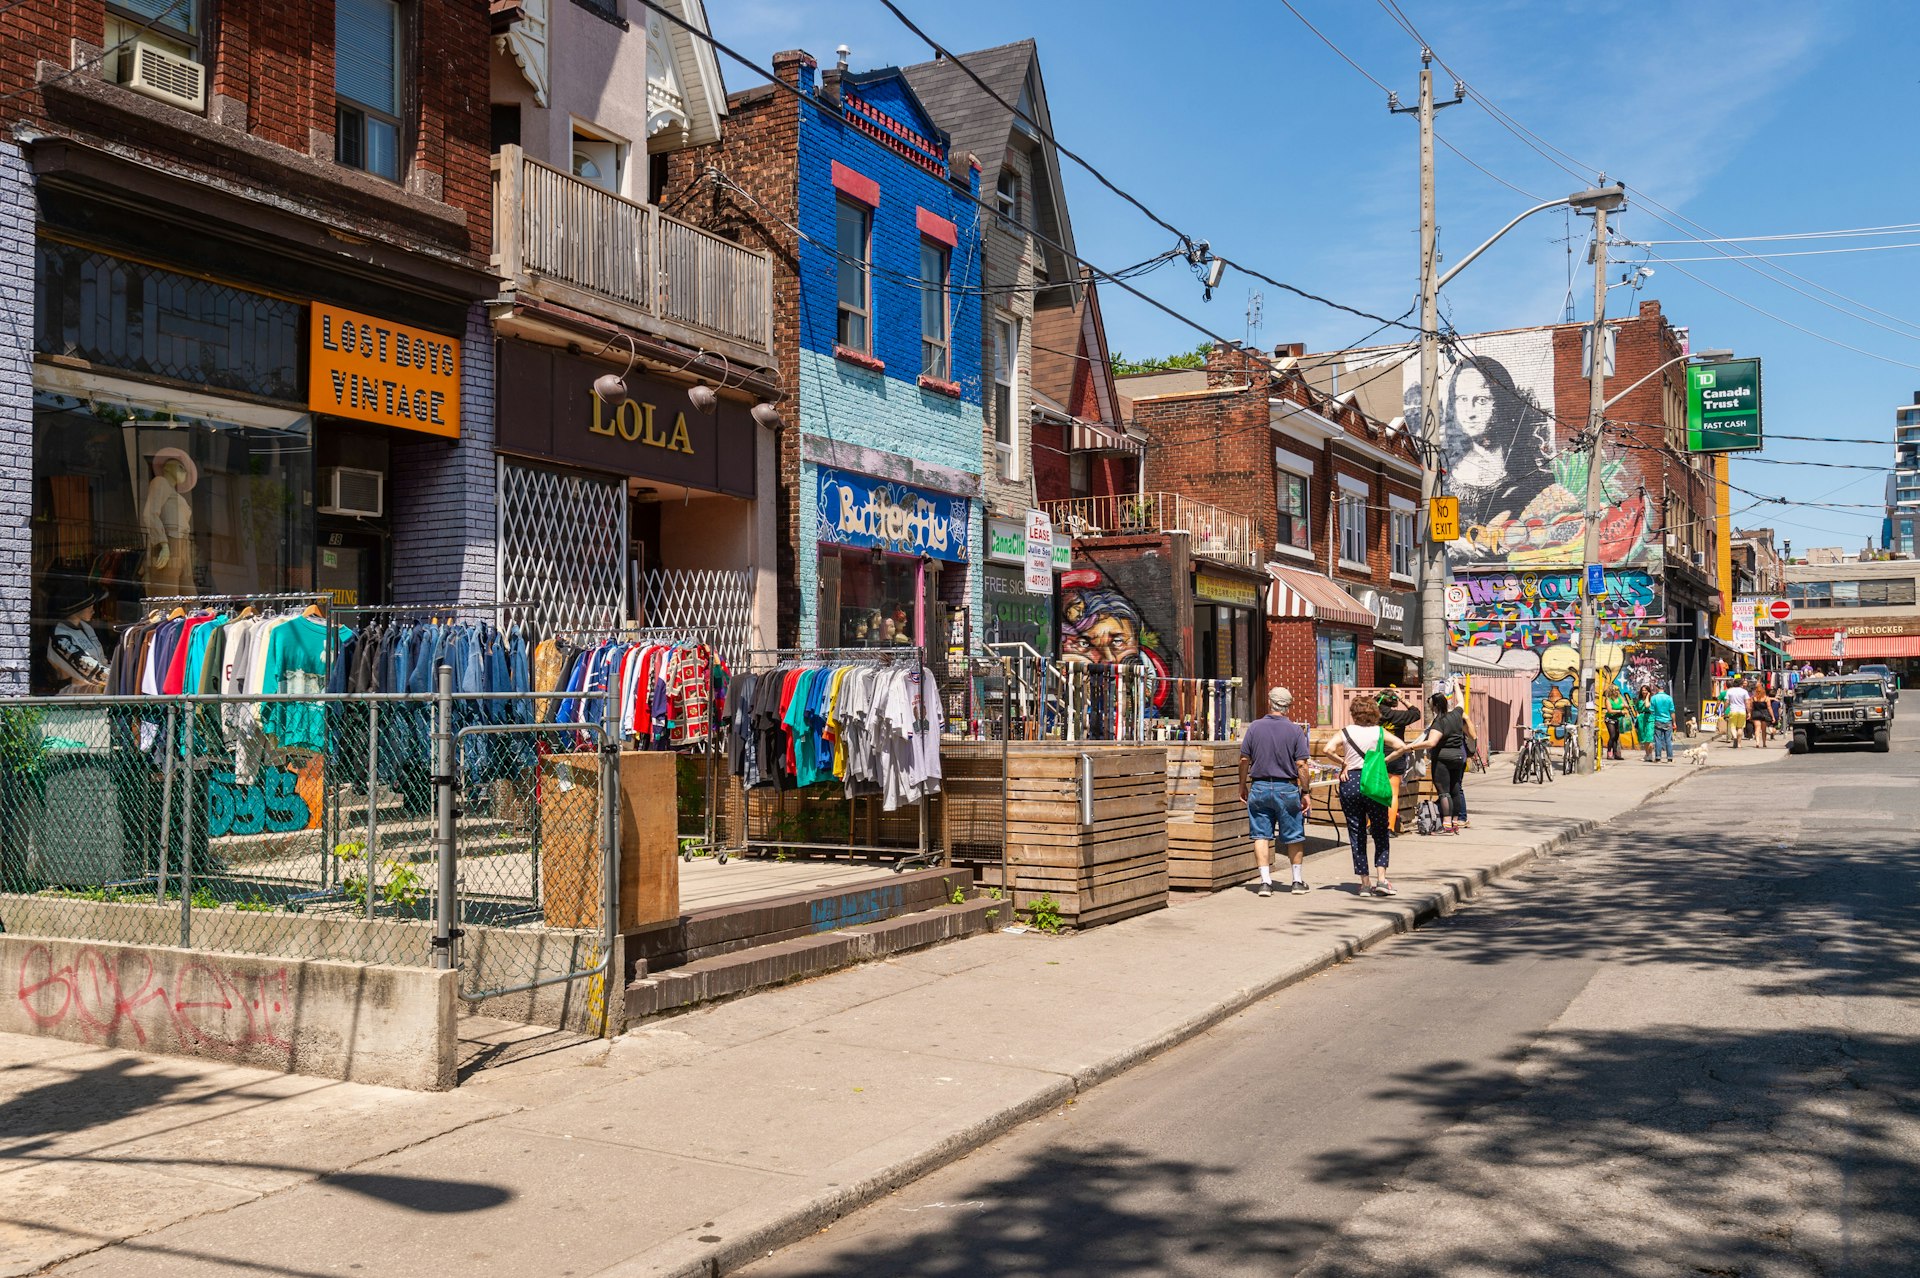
888 519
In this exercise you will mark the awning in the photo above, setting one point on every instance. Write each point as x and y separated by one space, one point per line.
1400 649
1295 592
1859 647
1101 437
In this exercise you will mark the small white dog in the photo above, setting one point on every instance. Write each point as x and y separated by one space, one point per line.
1697 755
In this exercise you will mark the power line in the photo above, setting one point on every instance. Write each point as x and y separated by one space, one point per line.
1196 250
1898 228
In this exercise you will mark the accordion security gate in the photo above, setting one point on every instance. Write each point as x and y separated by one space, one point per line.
563 547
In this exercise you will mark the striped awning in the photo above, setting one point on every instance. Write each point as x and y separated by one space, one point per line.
1101 437
1295 592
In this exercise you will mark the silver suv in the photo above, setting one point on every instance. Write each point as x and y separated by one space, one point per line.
1840 708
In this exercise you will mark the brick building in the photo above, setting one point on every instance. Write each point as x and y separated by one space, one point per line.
1331 495
254 238
871 225
1512 404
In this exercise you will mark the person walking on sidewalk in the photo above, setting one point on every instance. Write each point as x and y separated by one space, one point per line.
1736 700
1396 719
1364 814
1449 737
1273 762
1617 712
1765 714
1661 706
1643 723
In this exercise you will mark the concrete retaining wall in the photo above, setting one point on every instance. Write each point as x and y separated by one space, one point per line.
363 1022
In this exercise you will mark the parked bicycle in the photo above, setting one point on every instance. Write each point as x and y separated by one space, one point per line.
1532 762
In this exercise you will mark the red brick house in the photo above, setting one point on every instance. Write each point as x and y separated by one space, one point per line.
1331 494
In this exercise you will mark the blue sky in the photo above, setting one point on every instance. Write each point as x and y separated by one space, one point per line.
1235 123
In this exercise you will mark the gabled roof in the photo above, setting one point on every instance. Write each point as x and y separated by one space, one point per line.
699 68
982 126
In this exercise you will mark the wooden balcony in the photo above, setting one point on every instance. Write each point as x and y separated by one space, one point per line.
565 241
1214 533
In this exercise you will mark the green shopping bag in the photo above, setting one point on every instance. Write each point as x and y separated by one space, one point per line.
1374 781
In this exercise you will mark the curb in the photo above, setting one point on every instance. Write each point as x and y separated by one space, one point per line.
1408 915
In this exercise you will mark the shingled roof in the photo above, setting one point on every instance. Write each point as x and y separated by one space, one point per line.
983 127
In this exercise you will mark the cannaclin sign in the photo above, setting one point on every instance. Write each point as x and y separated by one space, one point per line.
1723 407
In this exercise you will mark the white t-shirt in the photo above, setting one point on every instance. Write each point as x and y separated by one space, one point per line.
1736 700
1364 739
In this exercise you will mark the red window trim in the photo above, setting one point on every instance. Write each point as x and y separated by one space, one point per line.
856 186
935 227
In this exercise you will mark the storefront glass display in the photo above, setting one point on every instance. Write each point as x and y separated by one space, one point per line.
142 492
1339 666
878 599
1014 615
1223 648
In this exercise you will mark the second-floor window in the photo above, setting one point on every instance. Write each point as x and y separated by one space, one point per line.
1006 349
366 86
1353 528
1295 527
852 234
174 25
935 351
1403 543
1007 195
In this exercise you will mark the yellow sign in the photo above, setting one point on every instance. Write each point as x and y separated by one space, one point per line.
374 370
634 422
1443 518
1243 594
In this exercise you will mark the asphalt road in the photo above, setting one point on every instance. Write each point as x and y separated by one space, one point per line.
1689 1045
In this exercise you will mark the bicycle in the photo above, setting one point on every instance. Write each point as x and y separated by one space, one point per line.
1532 762
1570 756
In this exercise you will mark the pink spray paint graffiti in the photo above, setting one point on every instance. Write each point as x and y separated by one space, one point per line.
201 1007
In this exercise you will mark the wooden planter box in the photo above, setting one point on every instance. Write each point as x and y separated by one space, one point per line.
1209 846
1099 873
570 855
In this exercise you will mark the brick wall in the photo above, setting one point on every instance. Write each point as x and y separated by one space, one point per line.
16 417
443 495
271 82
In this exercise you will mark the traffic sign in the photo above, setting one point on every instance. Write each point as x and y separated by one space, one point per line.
1596 579
1780 610
1443 518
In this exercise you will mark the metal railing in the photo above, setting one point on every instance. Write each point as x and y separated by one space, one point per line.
553 228
1027 696
409 829
1215 533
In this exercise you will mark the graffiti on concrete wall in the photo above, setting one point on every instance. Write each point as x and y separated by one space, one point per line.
132 997
1099 622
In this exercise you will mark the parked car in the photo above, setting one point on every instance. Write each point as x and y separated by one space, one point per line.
1841 708
1887 676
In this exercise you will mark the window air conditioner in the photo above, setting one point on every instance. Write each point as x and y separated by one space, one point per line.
1699 559
347 491
168 77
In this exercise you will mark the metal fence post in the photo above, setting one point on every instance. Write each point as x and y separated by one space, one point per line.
186 835
610 819
444 930
1086 789
373 793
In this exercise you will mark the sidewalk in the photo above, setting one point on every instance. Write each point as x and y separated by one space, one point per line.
702 1141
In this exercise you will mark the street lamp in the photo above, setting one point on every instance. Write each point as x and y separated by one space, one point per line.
1599 201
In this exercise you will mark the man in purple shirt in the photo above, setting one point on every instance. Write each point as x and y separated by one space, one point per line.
1273 762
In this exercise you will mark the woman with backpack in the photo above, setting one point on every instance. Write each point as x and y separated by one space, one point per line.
1365 790
1449 737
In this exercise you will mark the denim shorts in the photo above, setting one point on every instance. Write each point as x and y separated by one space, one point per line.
1274 811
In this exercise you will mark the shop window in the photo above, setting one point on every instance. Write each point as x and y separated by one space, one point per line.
876 599
853 234
935 349
141 493
366 86
119 314
1295 524
1006 431
1403 543
1353 529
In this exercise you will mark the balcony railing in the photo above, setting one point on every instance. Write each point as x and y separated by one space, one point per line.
1214 533
574 243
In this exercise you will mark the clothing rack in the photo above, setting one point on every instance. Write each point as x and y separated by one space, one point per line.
312 597
767 660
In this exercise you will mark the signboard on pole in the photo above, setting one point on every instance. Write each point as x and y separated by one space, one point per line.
1744 637
1443 518
1723 407
1596 580
1039 553
1780 610
1839 643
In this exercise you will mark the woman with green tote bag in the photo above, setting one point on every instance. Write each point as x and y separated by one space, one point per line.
1363 752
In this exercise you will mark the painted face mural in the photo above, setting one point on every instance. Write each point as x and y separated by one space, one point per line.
1099 624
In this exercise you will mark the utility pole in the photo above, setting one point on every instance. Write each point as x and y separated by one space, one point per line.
1433 554
1596 493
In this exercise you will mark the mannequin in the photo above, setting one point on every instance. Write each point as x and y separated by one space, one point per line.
167 520
74 652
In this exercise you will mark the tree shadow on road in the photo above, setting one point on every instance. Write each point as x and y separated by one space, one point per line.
1681 1151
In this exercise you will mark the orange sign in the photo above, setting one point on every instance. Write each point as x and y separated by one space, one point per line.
374 370
1443 518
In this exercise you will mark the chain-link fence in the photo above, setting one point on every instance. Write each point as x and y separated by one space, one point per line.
401 829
